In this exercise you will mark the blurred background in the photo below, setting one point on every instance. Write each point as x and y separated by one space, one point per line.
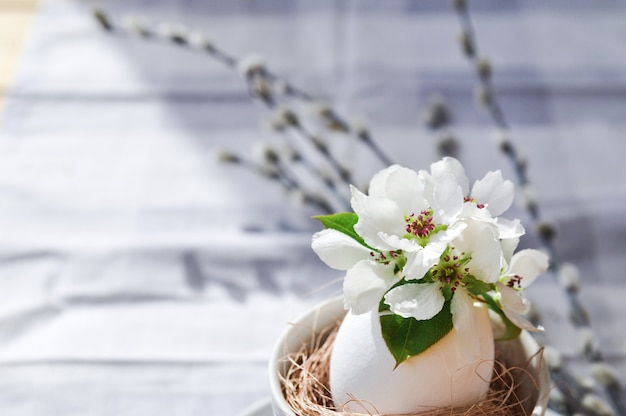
149 261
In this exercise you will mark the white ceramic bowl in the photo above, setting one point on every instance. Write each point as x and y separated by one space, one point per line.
518 351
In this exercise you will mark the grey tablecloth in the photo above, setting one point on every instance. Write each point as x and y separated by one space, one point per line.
140 277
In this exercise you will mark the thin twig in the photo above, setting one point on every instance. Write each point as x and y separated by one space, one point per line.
579 315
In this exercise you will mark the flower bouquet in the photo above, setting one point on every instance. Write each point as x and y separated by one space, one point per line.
432 278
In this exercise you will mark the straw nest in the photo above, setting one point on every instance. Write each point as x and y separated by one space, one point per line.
306 386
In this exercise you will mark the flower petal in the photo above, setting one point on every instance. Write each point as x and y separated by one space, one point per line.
471 210
399 243
450 165
521 321
402 185
511 299
365 284
493 191
447 199
461 308
529 264
514 308
378 183
357 200
464 322
413 300
419 262
509 228
379 215
508 248
337 249
480 240
449 234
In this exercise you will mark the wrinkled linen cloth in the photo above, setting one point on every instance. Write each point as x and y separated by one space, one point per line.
138 276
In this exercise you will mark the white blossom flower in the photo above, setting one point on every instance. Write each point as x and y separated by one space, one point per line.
365 284
400 224
495 193
369 274
486 200
507 229
521 270
492 192
472 257
400 213
524 267
338 250
421 239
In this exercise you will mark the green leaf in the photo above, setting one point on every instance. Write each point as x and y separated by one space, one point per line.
511 330
343 222
477 287
406 337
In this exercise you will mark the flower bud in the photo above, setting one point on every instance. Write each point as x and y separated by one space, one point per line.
482 95
270 172
173 33
291 118
250 65
588 342
465 41
283 117
503 141
588 384
359 127
138 26
321 109
605 375
317 201
261 88
546 230
484 68
578 316
569 277
596 405
521 160
447 145
529 196
327 178
437 114
344 173
268 156
320 144
335 124
103 19
291 153
275 123
227 157
201 41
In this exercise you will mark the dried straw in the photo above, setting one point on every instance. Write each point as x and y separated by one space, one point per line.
305 386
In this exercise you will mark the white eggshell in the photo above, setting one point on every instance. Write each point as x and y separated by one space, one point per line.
362 368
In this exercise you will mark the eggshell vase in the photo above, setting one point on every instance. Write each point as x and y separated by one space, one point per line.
519 352
453 371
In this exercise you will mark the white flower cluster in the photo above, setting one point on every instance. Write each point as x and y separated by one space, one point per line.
427 238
